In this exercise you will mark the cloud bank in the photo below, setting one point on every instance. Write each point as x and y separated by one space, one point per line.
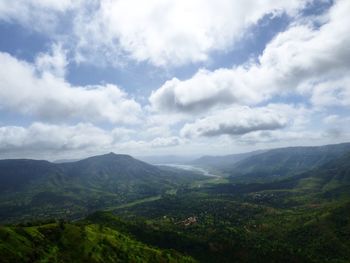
305 59
296 90
33 89
235 121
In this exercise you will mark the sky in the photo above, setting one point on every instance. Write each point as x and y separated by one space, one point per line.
161 77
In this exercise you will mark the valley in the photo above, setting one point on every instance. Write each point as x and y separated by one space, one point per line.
192 168
179 213
165 131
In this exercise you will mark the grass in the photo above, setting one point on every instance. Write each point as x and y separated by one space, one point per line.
137 202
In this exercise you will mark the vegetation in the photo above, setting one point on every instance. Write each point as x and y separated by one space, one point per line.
36 190
77 242
299 217
263 166
305 218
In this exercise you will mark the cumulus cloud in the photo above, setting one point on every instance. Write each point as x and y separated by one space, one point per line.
302 59
336 120
309 63
36 14
33 90
332 93
148 146
305 137
336 126
43 139
54 62
166 32
203 91
235 121
165 141
161 32
41 136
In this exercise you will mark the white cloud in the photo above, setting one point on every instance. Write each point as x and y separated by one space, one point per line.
297 60
331 119
27 89
45 140
35 14
336 120
203 91
122 134
162 32
299 137
337 126
49 137
165 141
54 63
167 32
235 121
330 93
308 61
279 138
142 146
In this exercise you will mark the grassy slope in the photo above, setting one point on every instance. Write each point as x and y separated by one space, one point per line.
227 231
68 242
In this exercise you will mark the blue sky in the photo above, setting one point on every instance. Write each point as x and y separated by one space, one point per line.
171 77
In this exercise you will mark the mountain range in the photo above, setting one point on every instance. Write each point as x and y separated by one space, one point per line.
272 164
34 188
280 205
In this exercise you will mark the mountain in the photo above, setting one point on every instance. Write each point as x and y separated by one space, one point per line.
329 180
224 162
19 174
279 163
272 164
302 218
112 170
35 189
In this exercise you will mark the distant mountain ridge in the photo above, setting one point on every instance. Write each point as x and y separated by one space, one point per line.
34 188
224 161
20 172
274 163
301 217
282 162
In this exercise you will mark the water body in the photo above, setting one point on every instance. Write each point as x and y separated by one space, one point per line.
187 167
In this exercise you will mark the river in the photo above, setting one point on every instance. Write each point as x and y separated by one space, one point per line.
188 167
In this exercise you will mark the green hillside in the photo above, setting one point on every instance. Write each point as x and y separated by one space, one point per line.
33 189
224 162
300 218
279 163
305 218
79 242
